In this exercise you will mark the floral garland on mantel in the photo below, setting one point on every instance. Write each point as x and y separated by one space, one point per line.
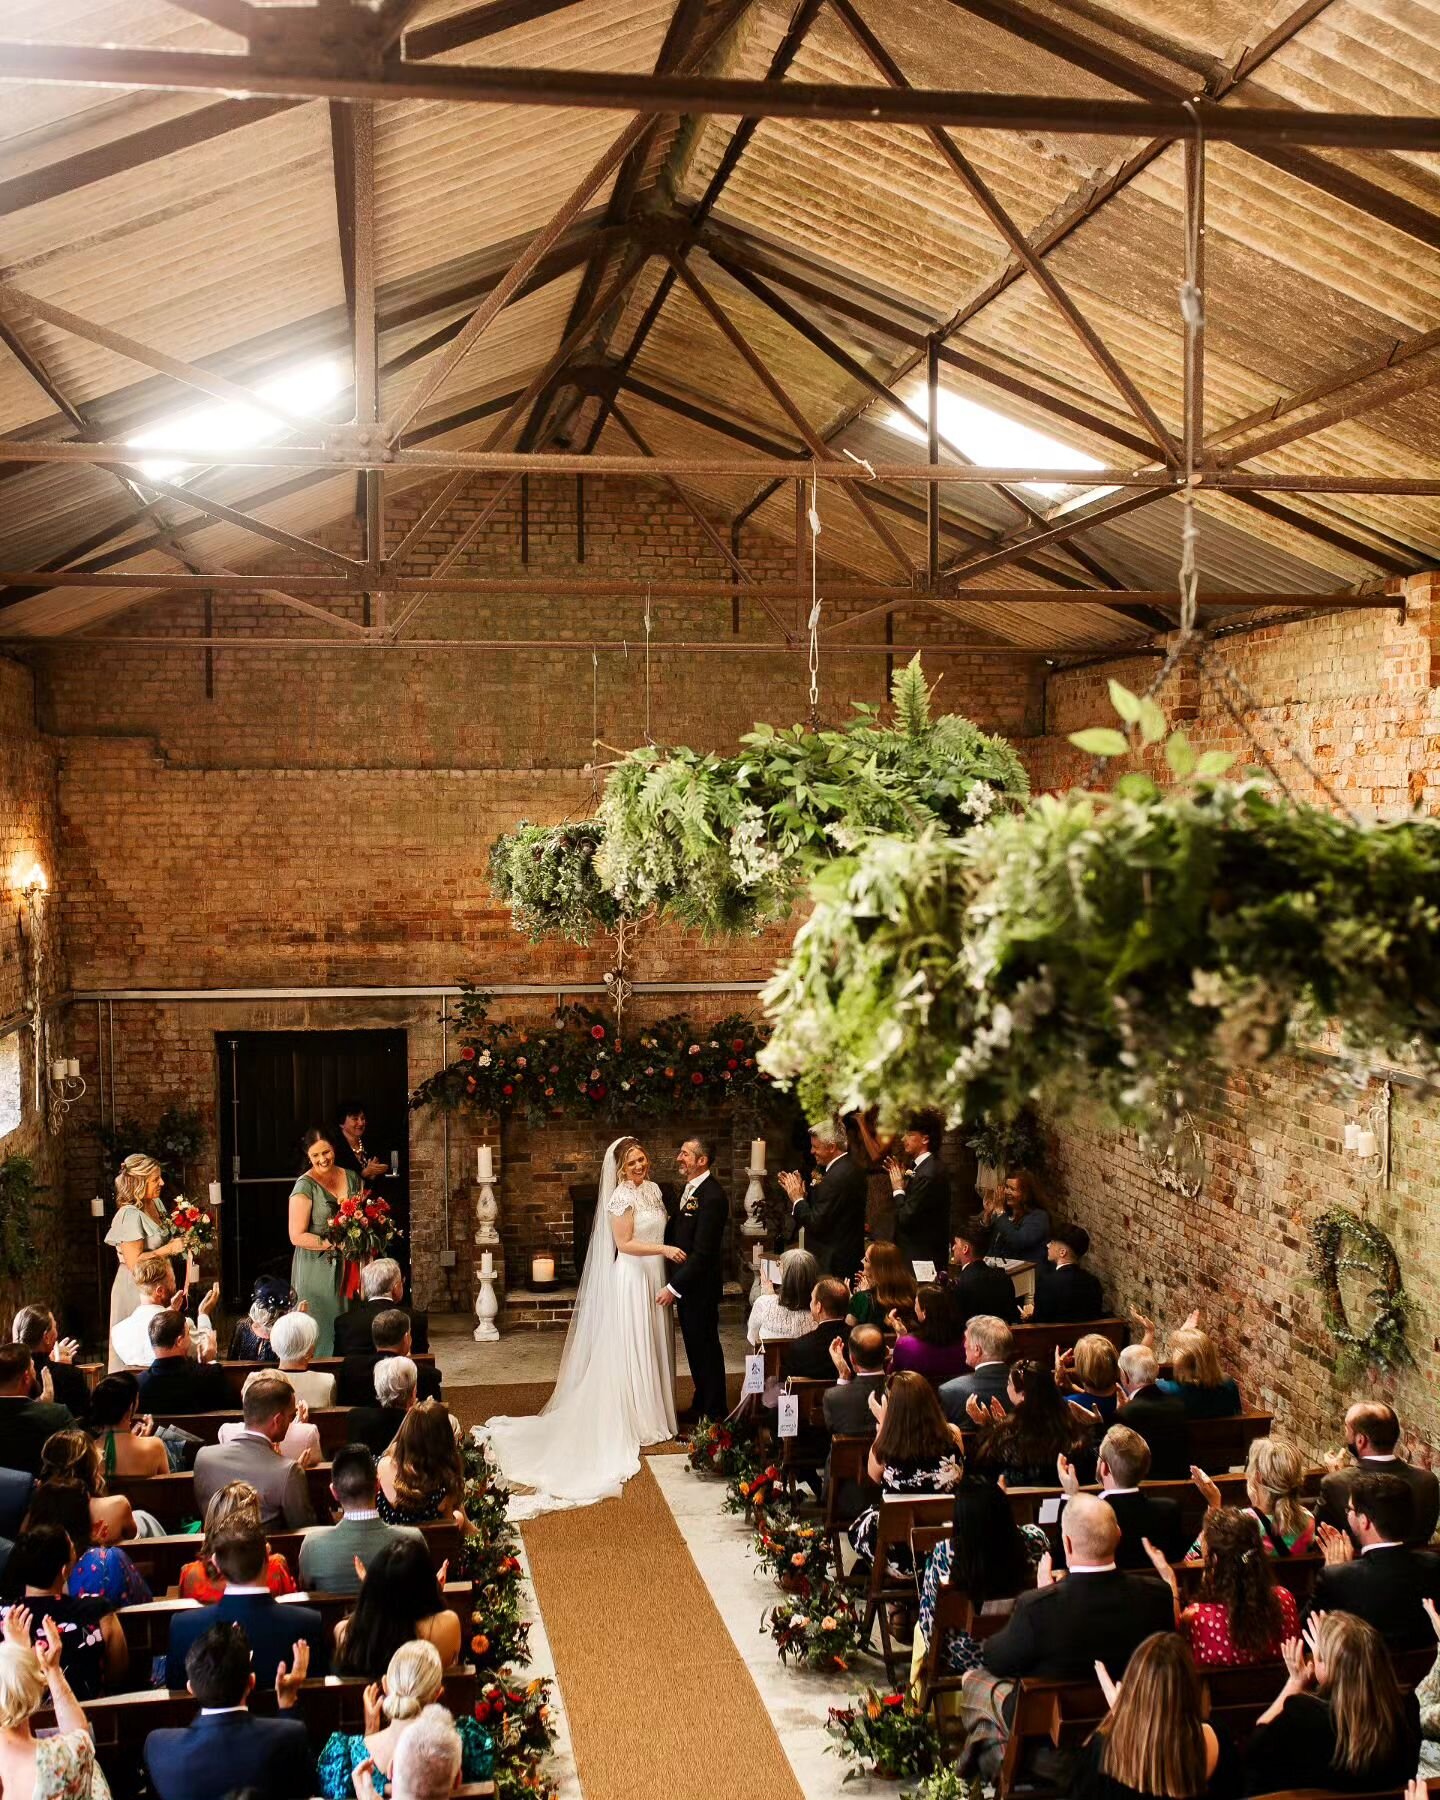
579 1066
1341 1240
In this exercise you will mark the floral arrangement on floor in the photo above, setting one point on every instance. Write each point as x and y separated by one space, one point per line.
944 1783
1341 1240
360 1229
516 1711
724 1447
1095 949
194 1227
820 1630
796 1554
546 875
886 1734
578 1065
753 1492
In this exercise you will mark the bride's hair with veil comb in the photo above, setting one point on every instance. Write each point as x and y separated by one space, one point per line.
621 1149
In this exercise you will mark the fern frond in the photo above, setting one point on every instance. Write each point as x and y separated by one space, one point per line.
911 699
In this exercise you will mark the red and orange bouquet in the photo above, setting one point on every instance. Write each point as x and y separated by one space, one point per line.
195 1227
360 1229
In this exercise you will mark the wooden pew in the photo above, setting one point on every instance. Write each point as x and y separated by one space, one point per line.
333 1423
898 1516
172 1497
1026 1503
1221 1444
147 1626
160 1559
1038 1343
235 1372
807 1450
849 1461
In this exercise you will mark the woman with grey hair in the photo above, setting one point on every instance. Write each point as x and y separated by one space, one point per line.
294 1338
141 1227
786 1314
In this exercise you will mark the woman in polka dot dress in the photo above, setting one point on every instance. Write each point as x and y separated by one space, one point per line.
1241 1615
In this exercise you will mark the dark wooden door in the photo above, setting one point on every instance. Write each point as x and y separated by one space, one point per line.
274 1085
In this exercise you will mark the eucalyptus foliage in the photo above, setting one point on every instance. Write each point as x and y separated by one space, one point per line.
546 875
725 843
1094 950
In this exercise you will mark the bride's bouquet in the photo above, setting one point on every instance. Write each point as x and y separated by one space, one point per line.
360 1229
195 1229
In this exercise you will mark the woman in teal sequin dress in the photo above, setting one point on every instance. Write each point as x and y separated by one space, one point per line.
316 1270
412 1681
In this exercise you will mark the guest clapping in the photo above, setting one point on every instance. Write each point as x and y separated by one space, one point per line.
921 1194
1155 1743
785 1314
412 1681
1241 1615
1199 1381
400 1598
1019 1224
886 1284
1042 1426
935 1345
62 1763
832 1214
1386 1582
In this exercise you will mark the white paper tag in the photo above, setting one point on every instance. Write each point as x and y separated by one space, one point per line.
1050 1511
789 1413
754 1375
924 1271
772 1272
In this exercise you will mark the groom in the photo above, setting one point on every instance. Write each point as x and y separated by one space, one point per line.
695 1285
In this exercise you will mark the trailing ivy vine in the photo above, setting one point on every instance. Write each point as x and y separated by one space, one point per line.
20 1186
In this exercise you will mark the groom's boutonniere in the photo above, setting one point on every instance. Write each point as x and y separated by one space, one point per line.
692 1205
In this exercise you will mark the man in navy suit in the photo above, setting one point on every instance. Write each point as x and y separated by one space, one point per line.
227 1747
696 1285
832 1213
272 1630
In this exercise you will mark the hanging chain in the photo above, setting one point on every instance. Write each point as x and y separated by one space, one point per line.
813 517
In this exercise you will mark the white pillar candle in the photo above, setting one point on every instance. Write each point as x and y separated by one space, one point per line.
97 1208
757 1154
214 1193
487 1263
1352 1135
1368 1144
484 1164
72 1067
542 1268
394 1162
57 1069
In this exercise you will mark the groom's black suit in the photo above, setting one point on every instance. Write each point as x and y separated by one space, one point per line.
697 1227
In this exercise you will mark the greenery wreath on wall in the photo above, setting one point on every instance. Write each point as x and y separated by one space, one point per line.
1341 1240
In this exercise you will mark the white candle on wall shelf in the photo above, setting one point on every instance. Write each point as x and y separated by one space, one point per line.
214 1193
1352 1135
484 1163
97 1208
757 1154
542 1268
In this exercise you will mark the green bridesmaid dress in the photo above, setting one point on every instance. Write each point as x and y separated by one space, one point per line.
314 1275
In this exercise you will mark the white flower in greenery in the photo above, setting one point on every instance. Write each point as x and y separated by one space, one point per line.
1208 988
979 803
484 1059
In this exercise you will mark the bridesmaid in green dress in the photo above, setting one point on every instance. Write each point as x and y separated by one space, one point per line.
316 1269
141 1227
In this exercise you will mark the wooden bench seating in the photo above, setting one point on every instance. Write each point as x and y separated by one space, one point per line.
898 1516
1026 1503
235 1372
1218 1445
160 1559
172 1497
1038 1343
333 1423
147 1626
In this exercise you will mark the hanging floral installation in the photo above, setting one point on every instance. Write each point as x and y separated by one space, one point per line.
579 1066
1094 950
726 843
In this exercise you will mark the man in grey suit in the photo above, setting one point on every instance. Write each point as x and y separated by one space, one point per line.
329 1553
862 1373
253 1456
988 1349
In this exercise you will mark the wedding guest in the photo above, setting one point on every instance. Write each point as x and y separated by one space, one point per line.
915 1452
981 1287
808 1357
315 1271
421 1475
1339 1723
102 1571
1065 1292
1372 1439
240 1553
785 1314
400 1598
1274 1475
349 1141
1158 1417
988 1557
154 1282
921 1194
860 1369
203 1579
935 1345
429 1758
1155 1742
1024 1444
390 1336
1199 1382
141 1227
832 1214
92 1644
376 1426
62 1764
124 1439
1121 1464
1386 1582
294 1338
329 1553
1089 1372
270 1299
1019 1224
35 1328
382 1286
989 1347
71 1456
226 1748
176 1383
1241 1615
27 1418
268 1408
412 1681
301 1442
886 1284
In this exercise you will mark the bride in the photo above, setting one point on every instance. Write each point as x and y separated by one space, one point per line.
615 1391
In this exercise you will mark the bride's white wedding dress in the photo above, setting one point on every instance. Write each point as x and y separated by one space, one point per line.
615 1391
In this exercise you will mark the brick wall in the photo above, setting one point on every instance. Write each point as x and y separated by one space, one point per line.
29 834
1355 692
322 818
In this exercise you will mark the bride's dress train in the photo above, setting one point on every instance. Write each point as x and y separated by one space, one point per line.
615 1392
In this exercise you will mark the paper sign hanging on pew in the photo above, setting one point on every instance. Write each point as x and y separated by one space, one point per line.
788 1409
754 1382
924 1271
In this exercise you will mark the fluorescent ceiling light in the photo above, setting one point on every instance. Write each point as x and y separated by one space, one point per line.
223 425
997 442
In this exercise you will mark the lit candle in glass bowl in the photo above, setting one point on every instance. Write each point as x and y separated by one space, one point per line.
542 1269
